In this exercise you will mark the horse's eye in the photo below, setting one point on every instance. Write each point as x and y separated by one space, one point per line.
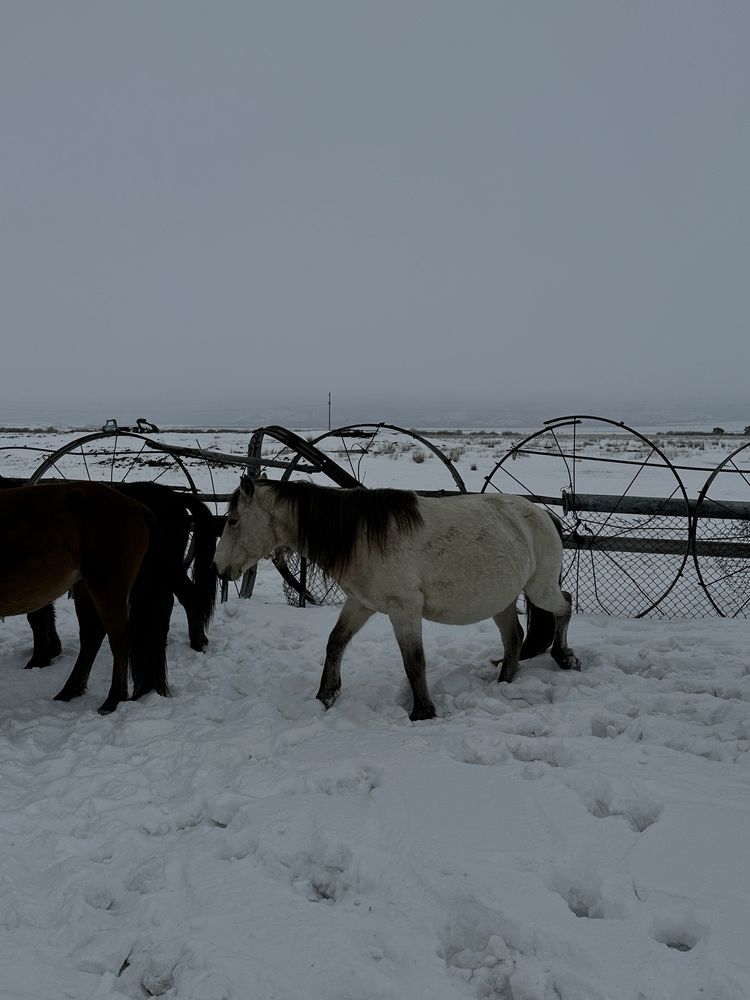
233 521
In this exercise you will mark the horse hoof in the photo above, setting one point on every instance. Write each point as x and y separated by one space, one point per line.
327 700
66 695
507 673
107 707
422 714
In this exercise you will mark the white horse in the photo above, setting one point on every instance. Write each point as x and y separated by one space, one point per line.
456 560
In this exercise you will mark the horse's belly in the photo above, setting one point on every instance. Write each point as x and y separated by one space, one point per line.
453 606
19 597
449 580
457 615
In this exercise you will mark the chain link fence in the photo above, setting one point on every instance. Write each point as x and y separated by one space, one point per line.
625 555
670 582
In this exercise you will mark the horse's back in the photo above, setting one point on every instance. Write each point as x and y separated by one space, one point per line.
470 559
504 521
537 523
164 502
54 534
68 502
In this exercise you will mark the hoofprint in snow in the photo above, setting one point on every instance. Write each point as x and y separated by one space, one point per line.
574 836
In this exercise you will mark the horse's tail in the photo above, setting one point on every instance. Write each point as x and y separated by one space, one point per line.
540 624
540 633
205 577
151 602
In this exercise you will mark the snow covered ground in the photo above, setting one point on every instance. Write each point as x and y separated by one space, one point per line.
572 836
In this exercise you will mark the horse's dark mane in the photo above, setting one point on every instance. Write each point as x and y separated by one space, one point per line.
332 521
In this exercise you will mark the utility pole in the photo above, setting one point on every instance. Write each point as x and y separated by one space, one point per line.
329 411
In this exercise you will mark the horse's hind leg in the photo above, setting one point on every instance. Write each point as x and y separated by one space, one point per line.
351 619
512 636
117 632
111 606
186 593
561 653
47 643
91 632
550 597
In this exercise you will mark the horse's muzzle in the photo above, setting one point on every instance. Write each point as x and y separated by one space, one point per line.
229 574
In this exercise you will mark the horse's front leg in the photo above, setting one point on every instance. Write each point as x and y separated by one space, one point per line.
408 629
351 619
46 640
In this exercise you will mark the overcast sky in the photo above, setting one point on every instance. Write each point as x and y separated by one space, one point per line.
386 199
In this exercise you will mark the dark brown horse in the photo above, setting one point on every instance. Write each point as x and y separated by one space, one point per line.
107 548
177 515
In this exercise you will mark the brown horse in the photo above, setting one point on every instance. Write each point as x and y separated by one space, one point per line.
105 547
177 514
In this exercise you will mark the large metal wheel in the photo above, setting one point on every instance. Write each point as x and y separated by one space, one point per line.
624 511
721 535
359 448
352 456
115 457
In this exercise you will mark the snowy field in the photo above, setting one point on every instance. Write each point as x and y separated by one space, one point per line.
572 836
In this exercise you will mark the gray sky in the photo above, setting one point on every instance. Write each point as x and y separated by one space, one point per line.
268 201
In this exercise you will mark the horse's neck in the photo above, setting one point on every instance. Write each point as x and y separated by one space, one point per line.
282 522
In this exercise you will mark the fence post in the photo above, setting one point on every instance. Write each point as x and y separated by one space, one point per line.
254 451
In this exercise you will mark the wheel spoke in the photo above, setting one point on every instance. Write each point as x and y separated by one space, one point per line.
605 578
722 575
56 467
133 461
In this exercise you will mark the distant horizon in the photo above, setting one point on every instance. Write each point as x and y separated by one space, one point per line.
732 416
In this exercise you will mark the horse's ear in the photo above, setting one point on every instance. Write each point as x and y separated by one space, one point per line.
247 486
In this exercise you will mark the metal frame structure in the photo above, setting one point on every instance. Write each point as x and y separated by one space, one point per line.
682 543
